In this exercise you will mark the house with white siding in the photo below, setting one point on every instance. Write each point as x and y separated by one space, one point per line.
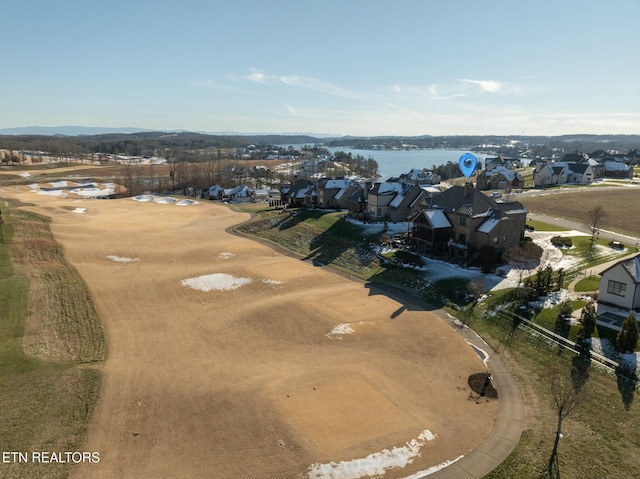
620 285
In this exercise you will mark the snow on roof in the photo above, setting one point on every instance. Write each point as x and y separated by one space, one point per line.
432 189
437 219
612 165
488 225
504 171
340 193
341 184
395 202
387 188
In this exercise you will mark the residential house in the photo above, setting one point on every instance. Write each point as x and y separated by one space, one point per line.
509 163
560 173
295 195
239 194
543 175
335 193
432 231
394 201
616 168
580 173
576 168
420 177
620 285
499 177
358 202
214 192
473 221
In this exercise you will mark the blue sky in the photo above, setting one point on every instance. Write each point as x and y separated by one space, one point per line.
347 67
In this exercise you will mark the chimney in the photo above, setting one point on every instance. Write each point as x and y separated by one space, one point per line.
467 188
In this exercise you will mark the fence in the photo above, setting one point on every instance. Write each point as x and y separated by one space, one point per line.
516 325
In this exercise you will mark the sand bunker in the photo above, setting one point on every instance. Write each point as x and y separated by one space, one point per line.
70 188
163 200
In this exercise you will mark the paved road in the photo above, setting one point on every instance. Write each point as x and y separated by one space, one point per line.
509 423
630 241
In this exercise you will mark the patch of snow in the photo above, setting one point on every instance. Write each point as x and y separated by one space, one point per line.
226 255
215 281
392 228
120 259
552 299
431 470
80 210
58 184
271 281
374 464
607 349
24 174
344 328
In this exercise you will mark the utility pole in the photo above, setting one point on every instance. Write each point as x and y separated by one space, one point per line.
1 231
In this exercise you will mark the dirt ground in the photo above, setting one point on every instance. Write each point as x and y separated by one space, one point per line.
250 382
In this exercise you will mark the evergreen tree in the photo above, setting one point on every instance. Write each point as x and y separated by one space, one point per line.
628 336
588 320
565 309
560 275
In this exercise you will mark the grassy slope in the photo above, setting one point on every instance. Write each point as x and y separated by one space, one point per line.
45 405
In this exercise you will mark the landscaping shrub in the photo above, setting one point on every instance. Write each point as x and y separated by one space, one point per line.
560 242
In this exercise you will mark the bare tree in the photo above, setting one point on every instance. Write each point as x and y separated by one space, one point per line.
595 217
567 394
524 257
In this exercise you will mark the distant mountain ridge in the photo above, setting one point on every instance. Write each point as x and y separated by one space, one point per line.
72 130
69 130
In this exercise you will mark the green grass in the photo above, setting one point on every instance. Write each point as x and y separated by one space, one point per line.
592 283
600 438
541 226
44 405
548 318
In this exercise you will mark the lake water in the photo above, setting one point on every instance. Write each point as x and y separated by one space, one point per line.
395 162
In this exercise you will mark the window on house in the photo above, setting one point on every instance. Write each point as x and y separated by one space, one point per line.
495 240
504 239
463 221
617 288
461 238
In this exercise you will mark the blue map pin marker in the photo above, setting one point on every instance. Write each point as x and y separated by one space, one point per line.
467 164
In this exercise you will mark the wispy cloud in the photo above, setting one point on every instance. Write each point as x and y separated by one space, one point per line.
256 75
490 86
292 111
217 85
434 91
318 85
